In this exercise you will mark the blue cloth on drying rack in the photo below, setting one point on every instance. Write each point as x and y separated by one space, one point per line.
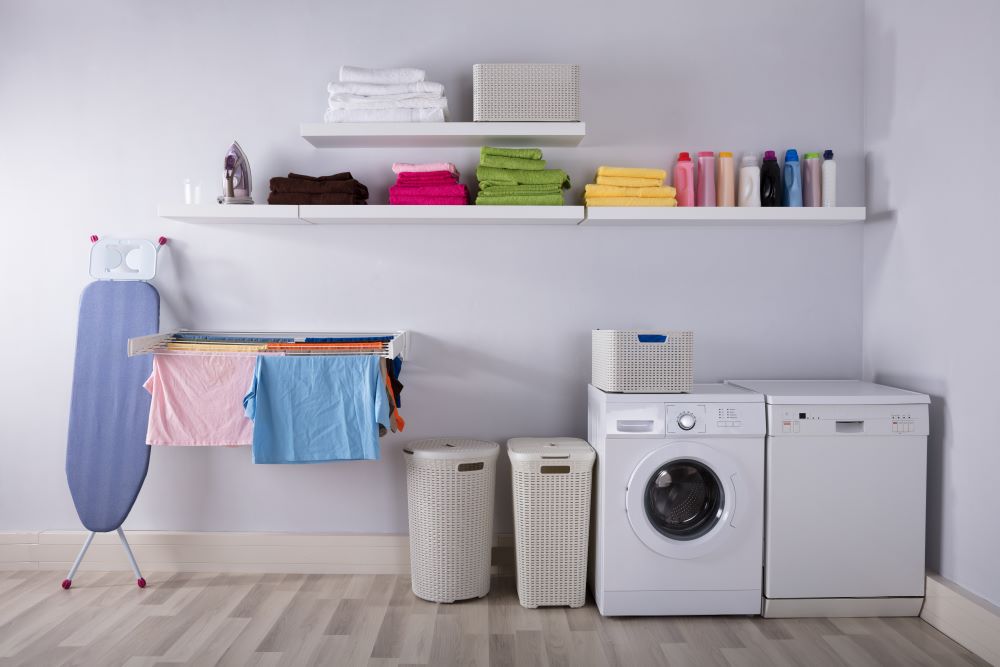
310 409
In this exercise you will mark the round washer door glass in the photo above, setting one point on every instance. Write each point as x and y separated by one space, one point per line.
684 499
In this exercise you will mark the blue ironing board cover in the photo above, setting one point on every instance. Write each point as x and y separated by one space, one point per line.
106 451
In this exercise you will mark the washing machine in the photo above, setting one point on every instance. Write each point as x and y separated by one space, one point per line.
679 501
845 498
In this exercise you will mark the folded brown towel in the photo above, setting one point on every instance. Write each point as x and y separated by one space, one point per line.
303 198
343 176
317 187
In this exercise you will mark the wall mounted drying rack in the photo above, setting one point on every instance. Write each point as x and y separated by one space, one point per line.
392 344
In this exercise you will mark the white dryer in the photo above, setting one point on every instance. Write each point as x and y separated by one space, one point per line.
846 498
679 495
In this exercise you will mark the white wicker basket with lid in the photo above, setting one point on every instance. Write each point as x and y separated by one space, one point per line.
552 479
450 484
633 361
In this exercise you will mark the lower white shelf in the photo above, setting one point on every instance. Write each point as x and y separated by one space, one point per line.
666 216
442 215
222 214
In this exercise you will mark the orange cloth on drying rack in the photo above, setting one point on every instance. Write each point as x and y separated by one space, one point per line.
397 419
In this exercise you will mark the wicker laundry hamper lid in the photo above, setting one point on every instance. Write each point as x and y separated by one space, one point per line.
544 449
452 448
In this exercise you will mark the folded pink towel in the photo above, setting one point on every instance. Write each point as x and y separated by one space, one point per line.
426 177
424 200
405 167
453 190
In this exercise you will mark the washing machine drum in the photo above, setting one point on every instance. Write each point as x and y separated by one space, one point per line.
684 499
681 499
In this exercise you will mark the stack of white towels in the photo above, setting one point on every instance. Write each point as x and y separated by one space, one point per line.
385 95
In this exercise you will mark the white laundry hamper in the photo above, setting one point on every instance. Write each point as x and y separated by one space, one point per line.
552 480
450 485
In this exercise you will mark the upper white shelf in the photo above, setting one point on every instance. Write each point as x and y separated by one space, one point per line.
211 214
442 215
390 135
220 214
693 216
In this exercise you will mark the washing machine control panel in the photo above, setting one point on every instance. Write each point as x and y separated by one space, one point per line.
715 418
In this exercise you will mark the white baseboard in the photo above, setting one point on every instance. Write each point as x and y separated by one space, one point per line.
972 622
223 552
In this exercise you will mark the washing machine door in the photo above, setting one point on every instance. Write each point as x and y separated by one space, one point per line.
682 499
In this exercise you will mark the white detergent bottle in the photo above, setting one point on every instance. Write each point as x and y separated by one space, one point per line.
829 179
749 189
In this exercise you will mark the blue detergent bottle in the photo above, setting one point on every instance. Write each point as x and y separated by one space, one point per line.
791 195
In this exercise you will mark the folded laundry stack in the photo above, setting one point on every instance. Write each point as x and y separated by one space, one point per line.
518 177
385 95
335 189
627 186
432 183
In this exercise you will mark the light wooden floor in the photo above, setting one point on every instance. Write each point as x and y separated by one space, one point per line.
274 619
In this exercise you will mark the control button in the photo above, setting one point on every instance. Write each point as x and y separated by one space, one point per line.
786 427
720 424
686 421
909 428
795 427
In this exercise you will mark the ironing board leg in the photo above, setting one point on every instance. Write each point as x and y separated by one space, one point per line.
131 559
68 581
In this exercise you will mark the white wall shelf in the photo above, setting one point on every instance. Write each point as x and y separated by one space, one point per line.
622 216
210 214
390 135
442 215
611 216
219 214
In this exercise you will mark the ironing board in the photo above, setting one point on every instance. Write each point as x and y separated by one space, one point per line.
106 452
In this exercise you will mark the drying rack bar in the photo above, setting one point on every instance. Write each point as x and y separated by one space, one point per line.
384 344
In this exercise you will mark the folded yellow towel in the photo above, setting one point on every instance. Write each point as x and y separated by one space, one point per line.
632 172
594 190
629 182
630 201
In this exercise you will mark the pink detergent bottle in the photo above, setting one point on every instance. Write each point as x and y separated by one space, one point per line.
706 179
684 179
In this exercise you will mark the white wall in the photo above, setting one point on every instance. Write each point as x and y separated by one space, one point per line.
931 269
105 109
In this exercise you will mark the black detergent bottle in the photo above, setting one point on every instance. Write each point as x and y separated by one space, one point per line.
770 180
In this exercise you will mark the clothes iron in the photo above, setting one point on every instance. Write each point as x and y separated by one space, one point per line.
236 179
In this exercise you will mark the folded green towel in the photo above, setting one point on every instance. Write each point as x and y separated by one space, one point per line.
493 188
523 176
502 162
520 200
525 153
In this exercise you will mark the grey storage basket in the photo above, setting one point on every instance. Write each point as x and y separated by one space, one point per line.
552 479
449 485
525 92
632 361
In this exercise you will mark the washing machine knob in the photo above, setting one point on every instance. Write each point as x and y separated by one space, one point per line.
686 421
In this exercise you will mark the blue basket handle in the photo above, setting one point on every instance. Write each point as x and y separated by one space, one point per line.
652 338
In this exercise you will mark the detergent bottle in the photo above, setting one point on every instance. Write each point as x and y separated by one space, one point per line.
829 187
749 190
684 180
770 180
811 180
706 179
791 179
725 185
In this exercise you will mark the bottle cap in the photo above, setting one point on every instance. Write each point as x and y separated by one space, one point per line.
749 161
725 154
684 157
706 154
791 155
812 156
769 155
827 154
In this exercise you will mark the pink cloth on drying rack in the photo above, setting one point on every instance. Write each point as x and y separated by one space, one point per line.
197 399
406 167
